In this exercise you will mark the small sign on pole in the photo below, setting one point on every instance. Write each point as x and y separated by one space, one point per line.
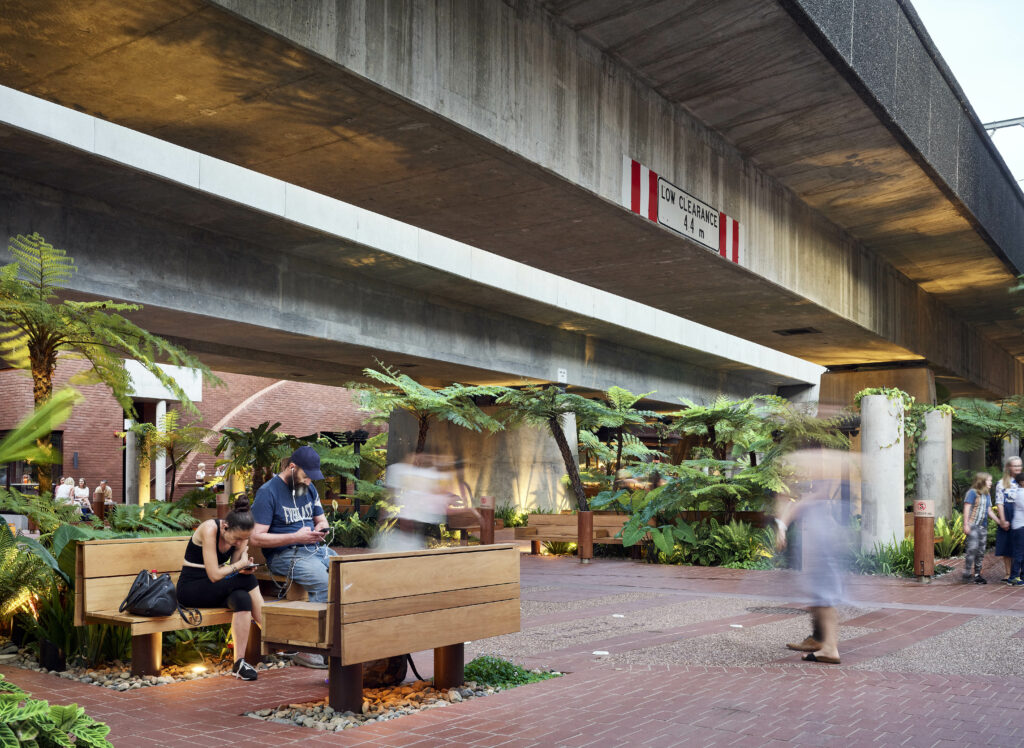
924 508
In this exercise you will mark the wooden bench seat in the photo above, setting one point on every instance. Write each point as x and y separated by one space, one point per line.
388 604
104 572
562 528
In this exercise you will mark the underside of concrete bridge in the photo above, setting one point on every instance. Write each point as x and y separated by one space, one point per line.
875 212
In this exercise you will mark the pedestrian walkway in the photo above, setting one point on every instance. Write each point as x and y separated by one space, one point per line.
690 656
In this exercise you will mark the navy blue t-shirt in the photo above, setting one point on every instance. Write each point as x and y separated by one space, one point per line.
274 506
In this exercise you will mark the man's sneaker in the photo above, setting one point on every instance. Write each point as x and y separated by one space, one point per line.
978 579
1006 580
244 670
307 659
1015 582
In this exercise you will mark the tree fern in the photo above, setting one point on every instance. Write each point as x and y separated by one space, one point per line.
33 318
397 391
22 574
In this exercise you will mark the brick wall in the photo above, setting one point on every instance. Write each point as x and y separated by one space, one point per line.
244 402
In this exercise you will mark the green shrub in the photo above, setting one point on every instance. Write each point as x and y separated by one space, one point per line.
33 723
559 548
196 645
949 536
152 517
41 510
893 559
494 671
349 530
197 498
512 515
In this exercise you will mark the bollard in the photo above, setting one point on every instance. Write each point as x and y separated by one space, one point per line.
486 520
585 536
924 540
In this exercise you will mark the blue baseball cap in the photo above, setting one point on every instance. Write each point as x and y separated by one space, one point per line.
307 459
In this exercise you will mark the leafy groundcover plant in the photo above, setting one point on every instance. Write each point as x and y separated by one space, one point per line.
25 721
494 671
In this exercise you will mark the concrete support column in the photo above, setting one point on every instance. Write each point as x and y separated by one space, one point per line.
935 462
1011 448
160 463
224 498
882 503
131 462
976 459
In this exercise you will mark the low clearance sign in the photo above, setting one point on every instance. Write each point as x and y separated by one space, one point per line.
657 199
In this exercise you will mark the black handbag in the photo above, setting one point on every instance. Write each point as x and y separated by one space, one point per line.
154 595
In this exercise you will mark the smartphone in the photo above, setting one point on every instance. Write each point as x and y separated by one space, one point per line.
254 566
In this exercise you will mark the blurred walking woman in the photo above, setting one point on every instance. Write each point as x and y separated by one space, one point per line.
216 573
1005 501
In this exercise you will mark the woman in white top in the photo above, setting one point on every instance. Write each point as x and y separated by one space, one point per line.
65 492
1005 502
81 493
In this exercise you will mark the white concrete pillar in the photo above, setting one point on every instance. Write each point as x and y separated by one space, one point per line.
935 462
225 495
1011 448
160 462
882 503
131 465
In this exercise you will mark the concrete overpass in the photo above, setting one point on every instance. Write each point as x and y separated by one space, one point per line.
875 215
257 275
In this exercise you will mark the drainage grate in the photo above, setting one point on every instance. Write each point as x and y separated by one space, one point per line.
778 611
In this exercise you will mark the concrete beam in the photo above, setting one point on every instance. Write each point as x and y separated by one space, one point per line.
203 287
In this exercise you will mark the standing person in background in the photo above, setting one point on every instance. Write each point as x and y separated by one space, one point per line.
977 510
1017 535
1006 492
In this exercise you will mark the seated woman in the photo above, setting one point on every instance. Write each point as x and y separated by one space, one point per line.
217 572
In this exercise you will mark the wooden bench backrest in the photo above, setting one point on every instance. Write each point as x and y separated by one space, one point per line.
392 603
105 569
562 521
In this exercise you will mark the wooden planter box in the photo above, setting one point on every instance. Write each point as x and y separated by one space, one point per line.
203 513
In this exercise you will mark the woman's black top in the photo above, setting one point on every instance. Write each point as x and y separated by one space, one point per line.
194 553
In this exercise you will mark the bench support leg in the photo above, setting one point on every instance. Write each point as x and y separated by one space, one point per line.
147 654
254 649
344 686
534 547
449 663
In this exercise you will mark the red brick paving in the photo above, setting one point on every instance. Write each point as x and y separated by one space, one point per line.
778 704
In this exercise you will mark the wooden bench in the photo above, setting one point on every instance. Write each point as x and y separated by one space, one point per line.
563 528
388 604
104 572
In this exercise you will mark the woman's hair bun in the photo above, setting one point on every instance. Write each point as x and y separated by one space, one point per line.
241 504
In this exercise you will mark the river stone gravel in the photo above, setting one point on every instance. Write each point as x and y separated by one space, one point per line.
555 636
117 676
379 705
746 647
985 645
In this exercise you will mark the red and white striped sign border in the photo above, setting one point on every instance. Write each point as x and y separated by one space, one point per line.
640 195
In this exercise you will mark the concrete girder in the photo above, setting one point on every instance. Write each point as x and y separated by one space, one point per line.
256 275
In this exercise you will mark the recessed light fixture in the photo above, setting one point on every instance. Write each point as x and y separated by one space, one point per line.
798 331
